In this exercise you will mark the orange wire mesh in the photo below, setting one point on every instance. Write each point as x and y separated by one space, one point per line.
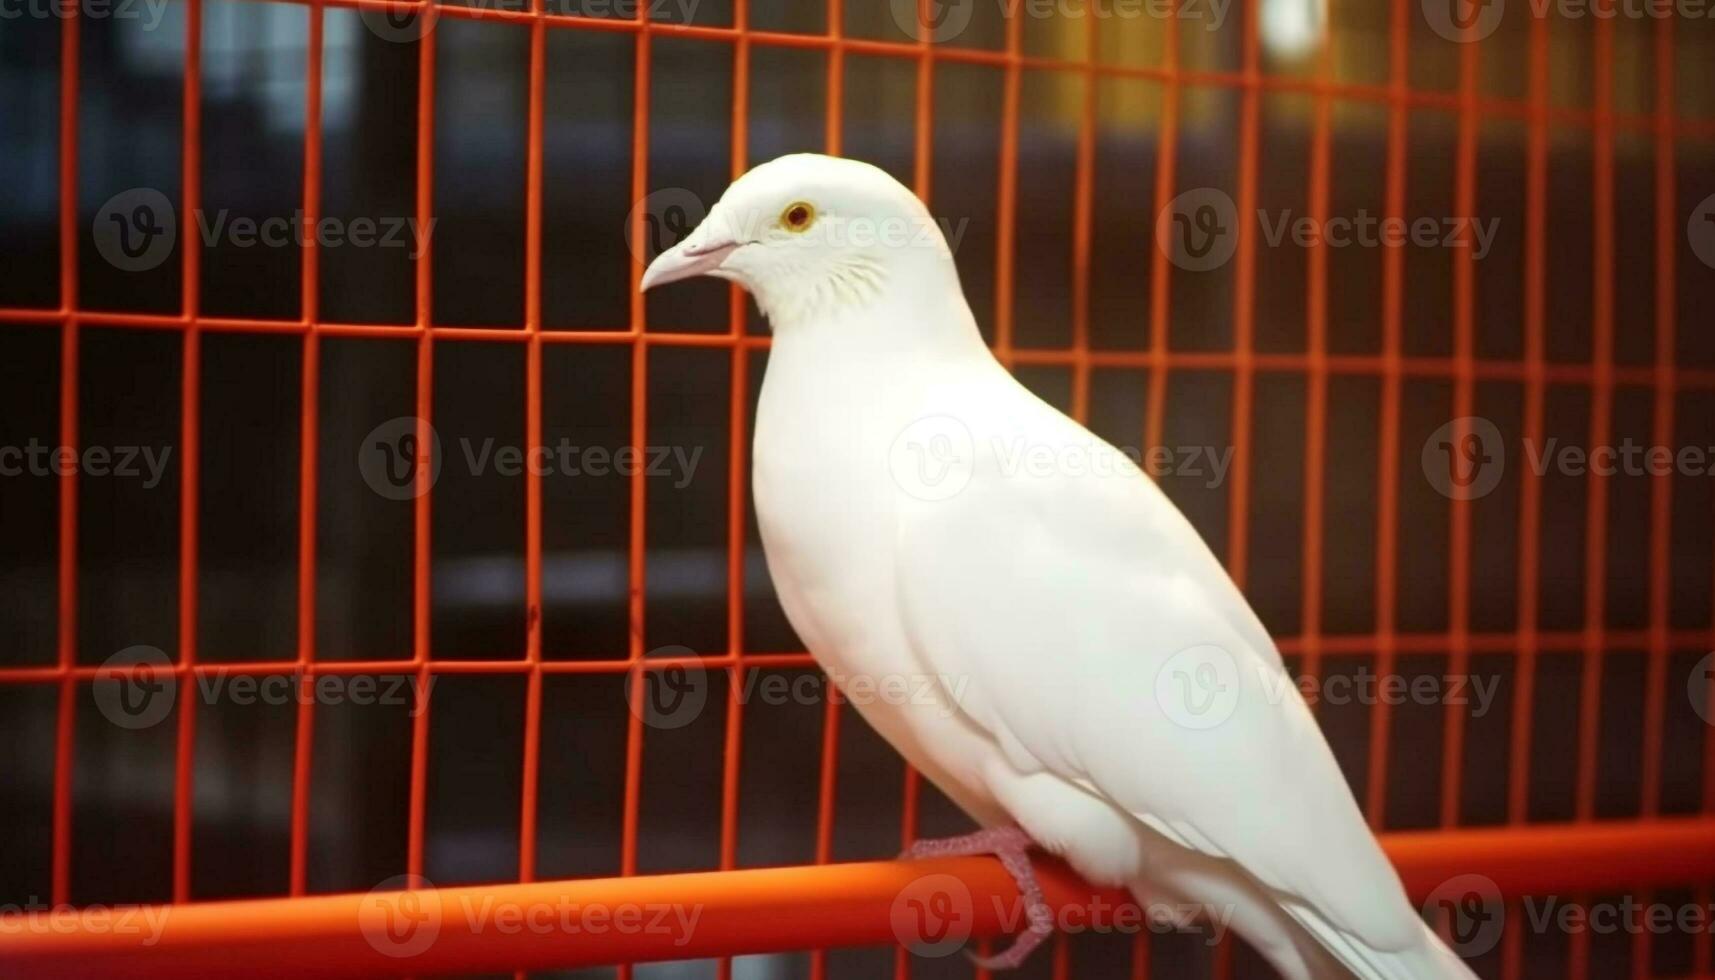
1317 365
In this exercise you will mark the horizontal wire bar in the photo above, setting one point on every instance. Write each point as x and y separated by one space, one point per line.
1620 642
468 929
1368 365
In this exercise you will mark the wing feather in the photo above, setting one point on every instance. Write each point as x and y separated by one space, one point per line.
1076 613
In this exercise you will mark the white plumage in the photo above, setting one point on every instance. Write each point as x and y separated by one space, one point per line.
1106 686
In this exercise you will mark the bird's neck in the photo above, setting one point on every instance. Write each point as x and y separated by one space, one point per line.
916 310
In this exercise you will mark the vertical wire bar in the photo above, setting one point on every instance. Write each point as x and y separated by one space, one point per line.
923 167
1161 273
1387 507
527 815
1703 950
309 425
639 437
1244 328
65 726
1601 408
190 439
421 553
1160 300
1006 203
1661 489
1464 402
1530 485
738 396
1595 591
1244 307
1666 390
827 789
1083 193
1316 344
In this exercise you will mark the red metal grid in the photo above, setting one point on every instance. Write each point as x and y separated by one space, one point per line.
1664 378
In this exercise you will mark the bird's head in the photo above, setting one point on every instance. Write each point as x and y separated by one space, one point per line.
814 237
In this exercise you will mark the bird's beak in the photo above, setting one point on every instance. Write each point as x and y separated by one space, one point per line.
697 255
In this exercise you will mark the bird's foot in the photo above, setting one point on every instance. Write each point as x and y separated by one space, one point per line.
1011 845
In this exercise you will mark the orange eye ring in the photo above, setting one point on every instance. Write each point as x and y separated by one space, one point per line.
798 216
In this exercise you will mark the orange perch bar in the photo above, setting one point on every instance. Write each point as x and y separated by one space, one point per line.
691 916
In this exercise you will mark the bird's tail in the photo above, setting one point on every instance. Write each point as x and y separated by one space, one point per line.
1428 959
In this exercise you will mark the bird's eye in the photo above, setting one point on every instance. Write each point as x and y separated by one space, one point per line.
798 216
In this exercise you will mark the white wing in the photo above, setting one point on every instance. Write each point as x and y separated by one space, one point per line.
1095 636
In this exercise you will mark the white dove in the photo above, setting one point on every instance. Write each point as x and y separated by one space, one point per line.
1104 690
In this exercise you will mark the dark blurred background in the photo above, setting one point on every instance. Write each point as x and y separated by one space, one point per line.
253 110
